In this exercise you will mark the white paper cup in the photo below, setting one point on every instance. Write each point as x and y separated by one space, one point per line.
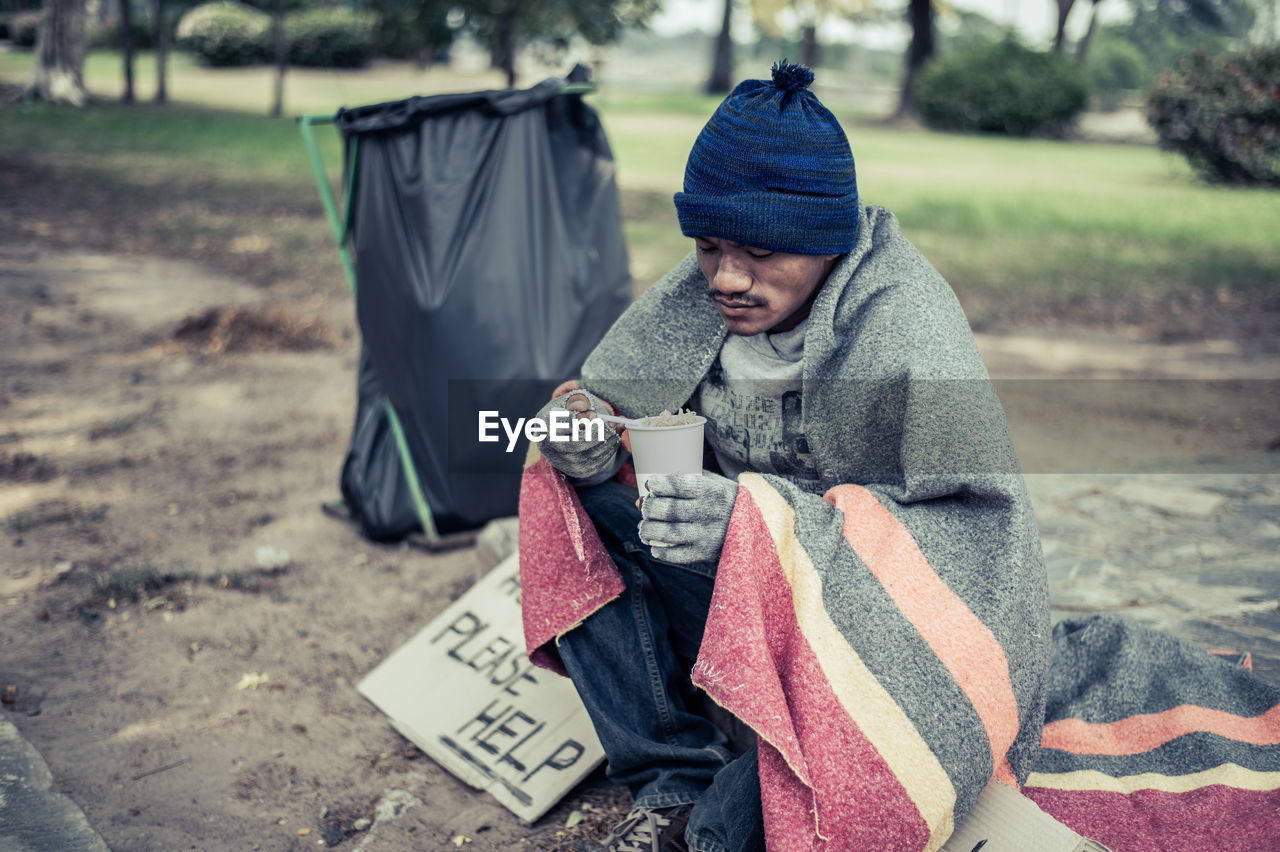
666 449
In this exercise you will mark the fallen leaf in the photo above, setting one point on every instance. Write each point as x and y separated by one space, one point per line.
575 817
459 839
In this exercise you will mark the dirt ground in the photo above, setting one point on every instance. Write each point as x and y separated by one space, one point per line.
161 424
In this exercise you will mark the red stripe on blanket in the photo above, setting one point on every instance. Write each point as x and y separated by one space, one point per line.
1137 734
1224 819
962 642
754 657
565 572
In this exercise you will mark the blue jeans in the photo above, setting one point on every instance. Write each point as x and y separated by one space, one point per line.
630 663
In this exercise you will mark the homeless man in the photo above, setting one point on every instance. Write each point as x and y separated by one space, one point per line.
857 577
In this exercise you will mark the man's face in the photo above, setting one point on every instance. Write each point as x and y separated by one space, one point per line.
758 290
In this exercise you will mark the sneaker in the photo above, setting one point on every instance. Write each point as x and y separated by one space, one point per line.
650 830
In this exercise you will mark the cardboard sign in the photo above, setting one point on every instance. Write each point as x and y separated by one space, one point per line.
463 691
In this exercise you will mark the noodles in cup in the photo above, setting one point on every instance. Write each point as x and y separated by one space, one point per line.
683 417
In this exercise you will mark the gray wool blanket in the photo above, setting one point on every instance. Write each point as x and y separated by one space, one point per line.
889 640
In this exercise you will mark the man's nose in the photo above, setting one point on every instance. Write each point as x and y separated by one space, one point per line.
731 277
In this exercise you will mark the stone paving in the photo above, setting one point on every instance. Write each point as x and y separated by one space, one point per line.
34 817
1193 554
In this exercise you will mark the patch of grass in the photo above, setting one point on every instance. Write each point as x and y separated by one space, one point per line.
664 102
306 90
134 584
237 194
26 467
147 145
1025 230
252 581
153 588
53 513
239 329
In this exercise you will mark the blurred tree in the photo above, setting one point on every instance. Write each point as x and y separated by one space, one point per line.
160 38
721 79
960 29
59 54
413 28
1082 49
278 39
279 53
919 51
1226 18
126 44
1060 34
507 25
1159 22
771 17
1162 31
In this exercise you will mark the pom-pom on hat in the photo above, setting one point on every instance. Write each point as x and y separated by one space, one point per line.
772 169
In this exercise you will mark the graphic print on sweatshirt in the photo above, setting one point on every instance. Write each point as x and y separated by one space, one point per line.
751 398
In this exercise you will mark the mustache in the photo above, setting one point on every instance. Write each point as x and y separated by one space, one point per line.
735 301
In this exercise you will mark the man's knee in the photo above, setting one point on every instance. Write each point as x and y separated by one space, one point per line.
612 508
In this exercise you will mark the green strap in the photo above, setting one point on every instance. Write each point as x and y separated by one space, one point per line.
339 226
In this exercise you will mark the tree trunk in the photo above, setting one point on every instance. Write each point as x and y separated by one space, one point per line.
1060 36
281 56
921 48
59 56
721 79
810 51
126 42
506 45
160 36
1082 49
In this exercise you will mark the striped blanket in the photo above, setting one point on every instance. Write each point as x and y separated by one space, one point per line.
889 641
883 703
1152 745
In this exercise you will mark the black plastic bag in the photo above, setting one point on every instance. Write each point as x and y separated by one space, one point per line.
490 259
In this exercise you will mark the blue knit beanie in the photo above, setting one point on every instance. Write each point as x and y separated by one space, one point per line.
772 169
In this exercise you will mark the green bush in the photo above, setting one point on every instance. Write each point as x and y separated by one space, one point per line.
23 27
1115 68
335 37
1222 113
226 33
1001 87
